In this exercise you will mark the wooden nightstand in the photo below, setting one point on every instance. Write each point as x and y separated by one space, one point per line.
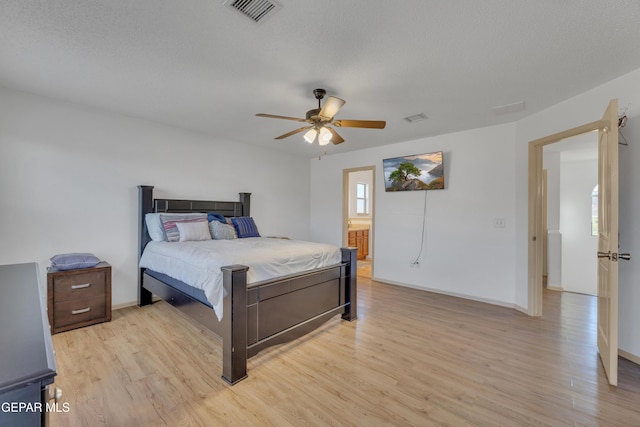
78 298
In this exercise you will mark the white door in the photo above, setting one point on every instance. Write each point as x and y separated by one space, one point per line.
608 243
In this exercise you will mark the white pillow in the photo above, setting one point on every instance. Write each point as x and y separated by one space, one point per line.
193 231
154 227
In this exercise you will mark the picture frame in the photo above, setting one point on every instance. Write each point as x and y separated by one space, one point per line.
415 172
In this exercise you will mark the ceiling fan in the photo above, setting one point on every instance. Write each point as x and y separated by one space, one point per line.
319 120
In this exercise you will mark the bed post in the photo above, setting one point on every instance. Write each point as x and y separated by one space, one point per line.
234 323
145 206
245 199
349 256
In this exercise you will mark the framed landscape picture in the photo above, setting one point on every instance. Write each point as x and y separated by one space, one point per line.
417 172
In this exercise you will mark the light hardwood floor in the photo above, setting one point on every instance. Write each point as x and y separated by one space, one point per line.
412 358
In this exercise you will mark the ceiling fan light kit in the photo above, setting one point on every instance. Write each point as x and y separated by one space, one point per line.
325 136
320 118
310 136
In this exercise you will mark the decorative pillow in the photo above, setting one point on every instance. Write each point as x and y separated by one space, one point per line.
245 227
193 231
222 231
74 261
215 216
169 222
154 227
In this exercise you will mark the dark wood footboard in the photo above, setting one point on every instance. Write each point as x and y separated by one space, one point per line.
263 314
257 315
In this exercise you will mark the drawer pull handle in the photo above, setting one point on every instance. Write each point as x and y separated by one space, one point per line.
82 310
86 285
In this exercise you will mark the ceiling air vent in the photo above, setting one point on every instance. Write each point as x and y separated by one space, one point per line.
416 118
256 10
509 108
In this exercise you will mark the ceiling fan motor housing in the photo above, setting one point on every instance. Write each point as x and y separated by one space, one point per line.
319 93
313 114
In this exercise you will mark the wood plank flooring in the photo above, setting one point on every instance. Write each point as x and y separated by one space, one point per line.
412 358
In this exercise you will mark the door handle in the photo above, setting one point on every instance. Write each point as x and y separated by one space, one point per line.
614 256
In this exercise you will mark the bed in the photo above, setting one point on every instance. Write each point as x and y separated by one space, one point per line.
253 314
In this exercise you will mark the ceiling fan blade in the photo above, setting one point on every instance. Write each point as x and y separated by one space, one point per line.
370 124
330 108
293 132
271 116
335 138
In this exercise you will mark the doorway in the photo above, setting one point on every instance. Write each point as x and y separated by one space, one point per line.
536 217
571 213
358 209
607 250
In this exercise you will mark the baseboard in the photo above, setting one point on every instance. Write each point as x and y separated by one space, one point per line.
555 288
454 294
521 309
630 357
123 305
131 304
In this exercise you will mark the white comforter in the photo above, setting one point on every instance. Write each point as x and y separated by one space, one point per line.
198 263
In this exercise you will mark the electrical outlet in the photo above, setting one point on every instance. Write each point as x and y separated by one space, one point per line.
414 264
499 222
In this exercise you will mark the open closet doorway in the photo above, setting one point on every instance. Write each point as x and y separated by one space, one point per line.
571 208
357 215
606 257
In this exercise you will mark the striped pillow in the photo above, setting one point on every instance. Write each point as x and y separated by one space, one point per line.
171 229
245 227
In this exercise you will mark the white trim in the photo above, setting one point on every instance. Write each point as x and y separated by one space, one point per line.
453 294
131 303
631 357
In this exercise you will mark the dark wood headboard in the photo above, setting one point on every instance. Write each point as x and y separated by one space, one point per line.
147 204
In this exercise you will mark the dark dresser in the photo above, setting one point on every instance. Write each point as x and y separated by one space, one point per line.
27 361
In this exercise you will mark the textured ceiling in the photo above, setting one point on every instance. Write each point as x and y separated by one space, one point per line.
199 65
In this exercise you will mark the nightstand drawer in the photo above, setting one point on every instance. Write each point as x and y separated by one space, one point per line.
78 298
81 285
79 310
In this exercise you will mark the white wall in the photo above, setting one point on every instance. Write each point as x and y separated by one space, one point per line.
579 269
463 254
486 173
629 271
68 178
581 109
551 163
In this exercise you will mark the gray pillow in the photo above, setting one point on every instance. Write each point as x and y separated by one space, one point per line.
74 261
222 231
